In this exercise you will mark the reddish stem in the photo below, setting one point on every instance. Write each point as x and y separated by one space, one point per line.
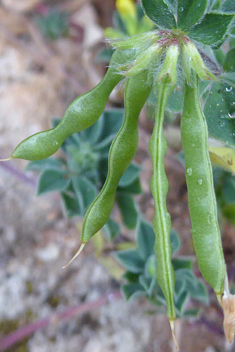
24 332
19 174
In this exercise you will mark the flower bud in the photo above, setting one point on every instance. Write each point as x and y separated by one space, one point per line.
145 60
126 7
192 59
168 72
139 41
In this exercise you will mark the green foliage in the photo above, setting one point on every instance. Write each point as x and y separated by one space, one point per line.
53 25
229 61
228 6
160 13
79 175
190 13
140 275
219 108
225 193
212 29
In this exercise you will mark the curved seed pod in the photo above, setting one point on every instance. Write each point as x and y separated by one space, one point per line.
201 195
83 112
159 188
122 151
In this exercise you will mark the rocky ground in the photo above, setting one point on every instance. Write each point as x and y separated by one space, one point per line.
38 79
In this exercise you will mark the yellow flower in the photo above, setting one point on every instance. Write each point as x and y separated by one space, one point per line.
126 7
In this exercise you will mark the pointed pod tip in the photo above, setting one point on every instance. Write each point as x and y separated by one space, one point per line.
75 256
172 325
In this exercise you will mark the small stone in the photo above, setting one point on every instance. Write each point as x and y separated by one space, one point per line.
49 253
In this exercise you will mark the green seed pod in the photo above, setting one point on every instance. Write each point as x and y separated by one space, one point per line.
201 195
122 151
159 188
81 114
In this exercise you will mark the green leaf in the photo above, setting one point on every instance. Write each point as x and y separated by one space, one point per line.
134 188
228 6
145 282
145 239
85 191
128 209
228 78
151 266
182 263
130 260
181 301
197 291
131 277
219 109
93 133
220 56
104 55
52 180
185 275
112 122
175 241
179 287
213 5
132 291
160 13
130 175
103 147
180 158
111 229
212 29
194 288
48 163
148 284
229 61
228 190
53 25
172 4
190 12
71 205
232 38
219 44
190 313
229 213
175 103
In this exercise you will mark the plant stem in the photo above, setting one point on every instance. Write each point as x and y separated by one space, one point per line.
24 332
19 174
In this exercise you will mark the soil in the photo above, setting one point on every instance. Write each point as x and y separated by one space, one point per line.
38 80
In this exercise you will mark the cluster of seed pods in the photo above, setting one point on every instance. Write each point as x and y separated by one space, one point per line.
151 62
